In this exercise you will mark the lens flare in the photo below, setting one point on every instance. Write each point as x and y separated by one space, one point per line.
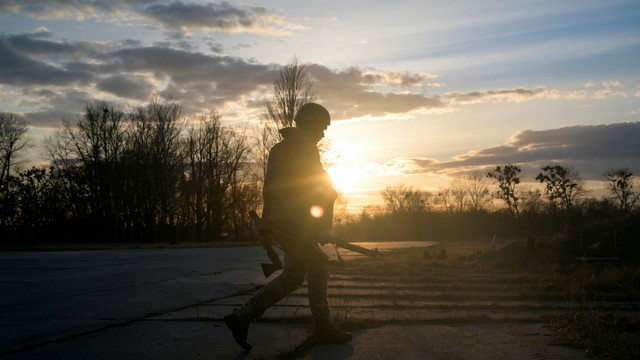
316 211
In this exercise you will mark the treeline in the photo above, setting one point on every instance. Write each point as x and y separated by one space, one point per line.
137 175
496 205
147 174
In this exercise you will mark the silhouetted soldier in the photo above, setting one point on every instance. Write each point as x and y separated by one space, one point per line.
298 204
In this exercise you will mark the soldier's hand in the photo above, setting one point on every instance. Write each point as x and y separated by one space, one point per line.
324 236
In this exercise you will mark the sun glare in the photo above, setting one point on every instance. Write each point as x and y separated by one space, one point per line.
346 178
348 169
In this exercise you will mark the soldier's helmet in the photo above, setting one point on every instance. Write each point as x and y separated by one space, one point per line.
312 116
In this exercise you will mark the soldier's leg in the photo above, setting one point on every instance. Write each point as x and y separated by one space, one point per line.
290 279
317 278
325 331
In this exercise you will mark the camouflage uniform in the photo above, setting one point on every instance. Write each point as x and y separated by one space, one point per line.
294 183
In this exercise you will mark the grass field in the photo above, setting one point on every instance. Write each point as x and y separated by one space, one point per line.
593 306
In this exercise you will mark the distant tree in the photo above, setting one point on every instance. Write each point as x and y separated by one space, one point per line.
370 211
94 143
507 177
39 200
562 184
401 199
12 141
477 192
215 157
531 200
454 199
341 209
621 185
155 158
292 88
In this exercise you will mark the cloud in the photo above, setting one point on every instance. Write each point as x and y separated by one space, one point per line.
42 31
510 95
222 16
609 88
37 45
129 72
56 9
18 68
199 81
133 87
403 166
513 95
591 149
125 69
406 79
56 105
184 16
354 93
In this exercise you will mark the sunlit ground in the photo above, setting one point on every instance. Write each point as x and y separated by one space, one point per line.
485 283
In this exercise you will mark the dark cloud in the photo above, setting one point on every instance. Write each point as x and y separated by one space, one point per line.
33 44
197 80
355 93
62 9
17 68
133 87
507 95
182 66
591 149
211 16
55 106
185 16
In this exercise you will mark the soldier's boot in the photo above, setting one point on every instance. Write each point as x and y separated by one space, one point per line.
239 329
331 335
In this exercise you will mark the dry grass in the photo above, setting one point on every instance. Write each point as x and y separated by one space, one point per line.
591 318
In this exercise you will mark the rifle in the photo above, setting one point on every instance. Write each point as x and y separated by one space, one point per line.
342 243
270 237
267 241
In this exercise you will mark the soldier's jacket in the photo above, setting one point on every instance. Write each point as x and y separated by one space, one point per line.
295 182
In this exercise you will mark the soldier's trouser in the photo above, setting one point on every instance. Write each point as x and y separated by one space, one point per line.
296 266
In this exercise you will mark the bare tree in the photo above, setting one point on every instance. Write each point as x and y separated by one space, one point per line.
531 200
215 157
454 198
507 177
155 144
291 89
477 191
12 141
401 199
95 142
620 183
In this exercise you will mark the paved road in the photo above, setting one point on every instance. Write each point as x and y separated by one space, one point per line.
48 296
168 303
52 295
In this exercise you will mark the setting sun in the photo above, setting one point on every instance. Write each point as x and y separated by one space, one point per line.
348 168
346 178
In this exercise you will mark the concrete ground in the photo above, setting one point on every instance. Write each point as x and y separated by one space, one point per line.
169 303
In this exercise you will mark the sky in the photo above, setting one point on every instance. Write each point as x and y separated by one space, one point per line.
420 92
